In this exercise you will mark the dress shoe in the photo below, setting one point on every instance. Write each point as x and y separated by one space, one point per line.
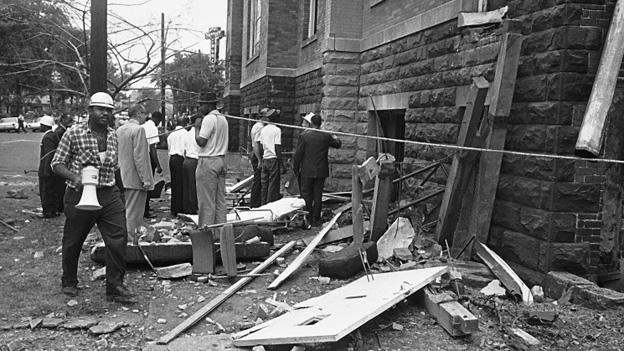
70 291
120 294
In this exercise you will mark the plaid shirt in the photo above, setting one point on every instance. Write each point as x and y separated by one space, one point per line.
78 148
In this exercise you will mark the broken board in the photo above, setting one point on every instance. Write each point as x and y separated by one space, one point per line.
330 317
178 252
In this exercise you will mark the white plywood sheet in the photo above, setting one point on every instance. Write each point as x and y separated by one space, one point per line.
330 317
266 213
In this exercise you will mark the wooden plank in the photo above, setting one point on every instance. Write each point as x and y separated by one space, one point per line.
463 162
240 185
450 314
304 254
467 19
214 303
504 273
228 250
522 340
336 234
502 90
590 137
381 200
204 258
358 216
330 317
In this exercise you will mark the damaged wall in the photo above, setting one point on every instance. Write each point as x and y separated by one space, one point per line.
548 213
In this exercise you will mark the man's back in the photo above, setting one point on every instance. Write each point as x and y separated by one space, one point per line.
311 154
133 155
214 129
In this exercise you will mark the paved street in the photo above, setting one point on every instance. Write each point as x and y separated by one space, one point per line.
19 152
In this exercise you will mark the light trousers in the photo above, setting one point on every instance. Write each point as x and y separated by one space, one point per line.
210 183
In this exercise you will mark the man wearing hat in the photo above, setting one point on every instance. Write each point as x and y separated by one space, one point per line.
51 186
271 141
93 144
311 166
211 135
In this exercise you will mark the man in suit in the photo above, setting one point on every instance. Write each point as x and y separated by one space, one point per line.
134 162
311 165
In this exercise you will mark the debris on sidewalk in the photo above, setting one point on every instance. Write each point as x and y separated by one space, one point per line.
399 235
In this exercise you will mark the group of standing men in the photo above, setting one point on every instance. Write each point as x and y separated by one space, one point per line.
310 163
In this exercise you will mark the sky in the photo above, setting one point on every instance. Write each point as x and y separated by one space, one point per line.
188 21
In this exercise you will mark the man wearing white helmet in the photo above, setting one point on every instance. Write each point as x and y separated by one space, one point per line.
93 144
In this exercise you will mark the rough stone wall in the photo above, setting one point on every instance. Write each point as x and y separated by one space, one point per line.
543 205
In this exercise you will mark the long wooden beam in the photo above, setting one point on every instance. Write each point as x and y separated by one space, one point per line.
214 303
589 142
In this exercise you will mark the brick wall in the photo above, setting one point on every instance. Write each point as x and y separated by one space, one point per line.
389 13
283 49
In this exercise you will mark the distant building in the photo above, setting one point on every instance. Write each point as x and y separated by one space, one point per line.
404 66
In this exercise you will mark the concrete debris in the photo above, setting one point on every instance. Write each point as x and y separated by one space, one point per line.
258 348
80 323
72 303
523 338
182 307
98 274
51 322
332 248
102 343
202 279
541 317
107 327
538 293
201 299
494 288
397 326
161 321
35 322
38 255
175 272
262 311
321 280
400 234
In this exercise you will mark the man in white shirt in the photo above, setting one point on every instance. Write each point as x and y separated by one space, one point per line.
256 157
191 154
175 144
151 133
271 140
212 137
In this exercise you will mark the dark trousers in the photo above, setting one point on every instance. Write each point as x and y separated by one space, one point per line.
51 192
270 180
146 213
256 186
189 190
111 221
312 193
177 183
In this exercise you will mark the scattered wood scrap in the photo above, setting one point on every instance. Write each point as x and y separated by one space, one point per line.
330 317
522 340
304 254
449 313
216 302
504 273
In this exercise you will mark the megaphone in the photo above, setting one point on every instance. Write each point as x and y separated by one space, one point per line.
88 200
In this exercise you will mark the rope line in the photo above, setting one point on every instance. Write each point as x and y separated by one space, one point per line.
421 143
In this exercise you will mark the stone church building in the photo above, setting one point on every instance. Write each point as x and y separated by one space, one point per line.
399 68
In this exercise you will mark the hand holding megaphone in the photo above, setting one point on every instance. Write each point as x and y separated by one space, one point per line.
88 182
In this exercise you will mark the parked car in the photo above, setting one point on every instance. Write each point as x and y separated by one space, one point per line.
34 124
9 124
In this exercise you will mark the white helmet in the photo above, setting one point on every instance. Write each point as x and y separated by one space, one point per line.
101 99
47 121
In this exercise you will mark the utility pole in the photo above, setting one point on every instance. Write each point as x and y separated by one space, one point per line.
162 67
98 72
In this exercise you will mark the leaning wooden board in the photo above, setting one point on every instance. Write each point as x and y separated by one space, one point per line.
178 252
330 317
